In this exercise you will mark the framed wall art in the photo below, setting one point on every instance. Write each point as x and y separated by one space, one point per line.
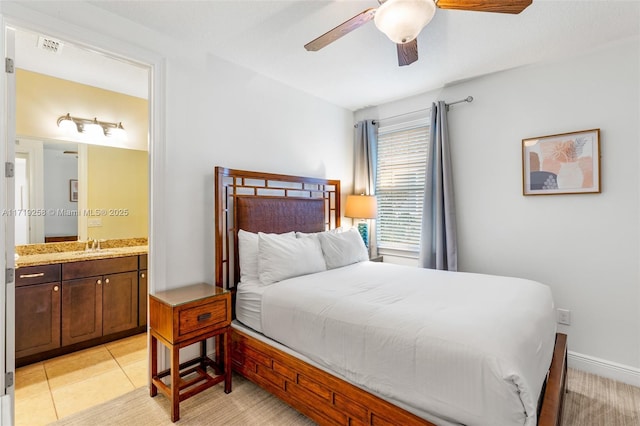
567 163
73 190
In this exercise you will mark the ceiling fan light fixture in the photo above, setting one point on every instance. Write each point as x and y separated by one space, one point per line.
402 20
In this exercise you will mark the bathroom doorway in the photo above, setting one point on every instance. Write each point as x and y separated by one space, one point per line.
93 360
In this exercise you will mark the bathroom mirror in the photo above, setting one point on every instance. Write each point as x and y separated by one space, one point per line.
69 191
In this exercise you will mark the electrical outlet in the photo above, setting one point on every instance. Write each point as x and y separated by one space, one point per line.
564 316
94 223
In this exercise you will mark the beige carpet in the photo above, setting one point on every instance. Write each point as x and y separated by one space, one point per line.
591 401
596 401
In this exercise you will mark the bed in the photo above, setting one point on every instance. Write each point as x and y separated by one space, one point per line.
271 335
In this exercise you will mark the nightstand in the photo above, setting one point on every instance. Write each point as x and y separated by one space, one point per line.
182 317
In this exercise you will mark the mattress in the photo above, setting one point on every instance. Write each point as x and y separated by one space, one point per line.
249 304
463 348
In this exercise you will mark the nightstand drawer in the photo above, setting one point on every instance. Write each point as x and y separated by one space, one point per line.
212 314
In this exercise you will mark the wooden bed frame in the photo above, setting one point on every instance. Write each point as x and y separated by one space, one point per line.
240 198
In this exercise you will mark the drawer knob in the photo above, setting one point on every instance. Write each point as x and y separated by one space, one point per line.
99 282
141 275
106 281
56 288
204 317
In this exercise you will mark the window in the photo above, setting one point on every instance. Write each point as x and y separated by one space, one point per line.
401 167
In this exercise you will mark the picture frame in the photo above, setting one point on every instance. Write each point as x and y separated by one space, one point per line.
73 190
566 163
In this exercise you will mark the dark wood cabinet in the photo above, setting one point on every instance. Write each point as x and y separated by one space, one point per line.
119 302
143 290
65 307
99 297
37 309
81 310
37 318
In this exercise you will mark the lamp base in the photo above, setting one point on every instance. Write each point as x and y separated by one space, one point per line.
363 229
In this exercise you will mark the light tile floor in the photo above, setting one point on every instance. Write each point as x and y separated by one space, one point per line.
55 388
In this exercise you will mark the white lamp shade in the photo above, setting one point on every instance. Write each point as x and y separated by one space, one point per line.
402 20
361 206
68 126
118 133
93 130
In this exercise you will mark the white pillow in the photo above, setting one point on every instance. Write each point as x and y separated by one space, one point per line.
343 248
248 253
281 257
315 234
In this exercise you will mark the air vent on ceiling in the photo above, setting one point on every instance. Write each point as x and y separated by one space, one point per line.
50 45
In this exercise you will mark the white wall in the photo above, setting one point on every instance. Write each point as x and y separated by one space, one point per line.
240 120
216 114
585 247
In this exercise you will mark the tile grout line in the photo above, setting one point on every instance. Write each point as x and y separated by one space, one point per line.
53 401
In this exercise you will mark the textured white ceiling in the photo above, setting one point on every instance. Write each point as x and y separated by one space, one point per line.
361 68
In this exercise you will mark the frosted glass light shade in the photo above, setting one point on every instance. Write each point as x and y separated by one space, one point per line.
361 206
68 125
94 129
402 20
119 133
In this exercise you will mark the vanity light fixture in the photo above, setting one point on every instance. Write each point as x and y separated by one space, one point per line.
92 127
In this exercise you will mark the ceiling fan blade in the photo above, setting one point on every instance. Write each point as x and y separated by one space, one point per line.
407 52
342 29
499 6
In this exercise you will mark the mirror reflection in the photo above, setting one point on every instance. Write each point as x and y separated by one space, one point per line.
69 191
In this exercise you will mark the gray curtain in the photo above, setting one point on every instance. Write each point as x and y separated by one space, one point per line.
364 168
438 242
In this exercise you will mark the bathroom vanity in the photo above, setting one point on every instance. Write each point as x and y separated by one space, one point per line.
71 300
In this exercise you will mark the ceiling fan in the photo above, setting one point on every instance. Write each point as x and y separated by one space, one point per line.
402 21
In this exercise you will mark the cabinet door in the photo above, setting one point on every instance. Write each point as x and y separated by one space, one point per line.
37 318
143 295
81 310
120 302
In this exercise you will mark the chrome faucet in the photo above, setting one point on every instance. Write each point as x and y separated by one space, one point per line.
91 245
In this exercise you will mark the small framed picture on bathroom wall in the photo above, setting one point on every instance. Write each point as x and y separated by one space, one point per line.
567 163
73 190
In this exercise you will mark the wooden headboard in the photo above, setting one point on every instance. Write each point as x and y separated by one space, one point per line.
267 202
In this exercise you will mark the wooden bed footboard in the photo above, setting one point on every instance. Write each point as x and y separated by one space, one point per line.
315 393
329 400
556 385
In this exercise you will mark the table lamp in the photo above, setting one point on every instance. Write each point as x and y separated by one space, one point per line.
362 207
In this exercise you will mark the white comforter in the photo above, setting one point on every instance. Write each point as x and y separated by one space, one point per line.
464 348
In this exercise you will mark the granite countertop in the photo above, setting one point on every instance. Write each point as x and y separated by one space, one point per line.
50 253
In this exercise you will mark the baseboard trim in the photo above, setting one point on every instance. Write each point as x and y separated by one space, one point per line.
601 367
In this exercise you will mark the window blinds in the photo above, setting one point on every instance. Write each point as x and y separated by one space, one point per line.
401 167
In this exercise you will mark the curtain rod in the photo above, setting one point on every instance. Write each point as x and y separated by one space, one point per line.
467 99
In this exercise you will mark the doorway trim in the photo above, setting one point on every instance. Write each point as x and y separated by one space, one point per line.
13 15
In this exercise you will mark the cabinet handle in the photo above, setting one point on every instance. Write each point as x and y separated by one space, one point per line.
106 281
99 282
56 288
141 275
39 274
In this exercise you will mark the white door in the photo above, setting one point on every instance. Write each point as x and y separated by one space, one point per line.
7 200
